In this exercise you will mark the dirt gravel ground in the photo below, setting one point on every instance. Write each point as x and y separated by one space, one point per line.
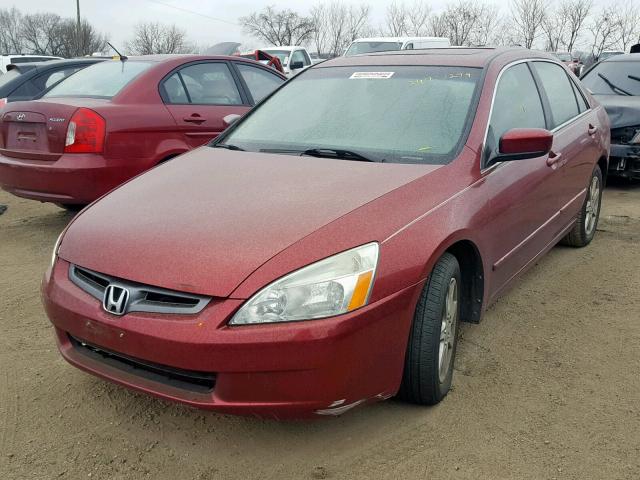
547 386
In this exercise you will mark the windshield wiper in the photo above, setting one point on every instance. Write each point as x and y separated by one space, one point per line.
323 153
633 77
613 86
337 153
228 146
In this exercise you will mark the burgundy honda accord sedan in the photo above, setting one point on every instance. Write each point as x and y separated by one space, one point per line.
311 260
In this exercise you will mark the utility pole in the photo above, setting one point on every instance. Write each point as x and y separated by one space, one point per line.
78 27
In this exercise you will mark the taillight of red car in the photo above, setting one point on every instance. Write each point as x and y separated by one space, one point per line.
85 133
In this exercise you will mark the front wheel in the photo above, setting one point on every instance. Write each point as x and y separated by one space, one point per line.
433 339
587 222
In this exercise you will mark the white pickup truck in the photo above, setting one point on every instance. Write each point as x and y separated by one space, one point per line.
294 59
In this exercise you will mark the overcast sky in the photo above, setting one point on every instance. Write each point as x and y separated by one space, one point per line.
116 18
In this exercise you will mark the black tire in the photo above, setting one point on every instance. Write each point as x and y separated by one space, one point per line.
587 222
422 382
71 207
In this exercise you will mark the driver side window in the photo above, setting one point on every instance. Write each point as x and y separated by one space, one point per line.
516 104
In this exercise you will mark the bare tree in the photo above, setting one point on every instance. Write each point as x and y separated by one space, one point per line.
336 25
11 39
576 12
41 33
461 19
76 43
628 18
437 26
604 30
489 20
278 27
153 38
528 16
396 19
554 26
418 20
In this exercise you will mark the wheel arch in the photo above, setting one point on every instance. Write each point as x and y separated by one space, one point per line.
603 163
472 271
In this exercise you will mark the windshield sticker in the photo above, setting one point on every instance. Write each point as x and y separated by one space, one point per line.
376 75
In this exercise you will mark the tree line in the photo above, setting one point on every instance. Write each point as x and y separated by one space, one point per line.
564 25
329 27
50 34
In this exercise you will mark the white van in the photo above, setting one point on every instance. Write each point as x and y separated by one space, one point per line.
386 44
20 58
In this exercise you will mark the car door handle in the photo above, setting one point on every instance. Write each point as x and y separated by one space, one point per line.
592 129
194 119
553 158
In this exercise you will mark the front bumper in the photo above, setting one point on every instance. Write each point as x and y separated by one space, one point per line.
295 370
71 179
624 161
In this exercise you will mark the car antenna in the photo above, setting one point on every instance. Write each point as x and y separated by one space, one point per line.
122 57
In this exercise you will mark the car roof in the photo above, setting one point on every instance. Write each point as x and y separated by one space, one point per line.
627 57
463 56
288 48
396 39
167 57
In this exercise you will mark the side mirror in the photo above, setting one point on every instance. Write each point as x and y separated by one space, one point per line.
524 143
296 65
231 119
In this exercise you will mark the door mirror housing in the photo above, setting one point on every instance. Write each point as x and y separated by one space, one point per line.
231 119
524 143
296 65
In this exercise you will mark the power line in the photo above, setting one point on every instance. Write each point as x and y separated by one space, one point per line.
192 12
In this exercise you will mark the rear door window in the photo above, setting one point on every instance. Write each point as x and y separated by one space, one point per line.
557 86
260 82
582 103
516 104
210 84
174 91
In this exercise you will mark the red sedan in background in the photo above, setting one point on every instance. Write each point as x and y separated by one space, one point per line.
114 120
312 260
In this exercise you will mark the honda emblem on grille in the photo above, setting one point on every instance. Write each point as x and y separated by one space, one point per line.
115 300
21 116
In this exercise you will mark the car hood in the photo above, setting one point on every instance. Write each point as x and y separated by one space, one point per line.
204 221
623 110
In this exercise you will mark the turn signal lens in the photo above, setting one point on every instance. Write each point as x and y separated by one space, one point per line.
85 133
3 102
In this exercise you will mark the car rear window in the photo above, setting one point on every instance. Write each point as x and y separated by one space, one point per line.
102 80
358 48
401 114
10 75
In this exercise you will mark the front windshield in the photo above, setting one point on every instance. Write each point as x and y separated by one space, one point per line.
102 80
402 114
358 48
614 78
564 57
282 55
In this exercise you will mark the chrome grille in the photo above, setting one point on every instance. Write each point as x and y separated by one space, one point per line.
143 298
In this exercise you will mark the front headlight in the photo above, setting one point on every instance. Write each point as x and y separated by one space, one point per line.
332 286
